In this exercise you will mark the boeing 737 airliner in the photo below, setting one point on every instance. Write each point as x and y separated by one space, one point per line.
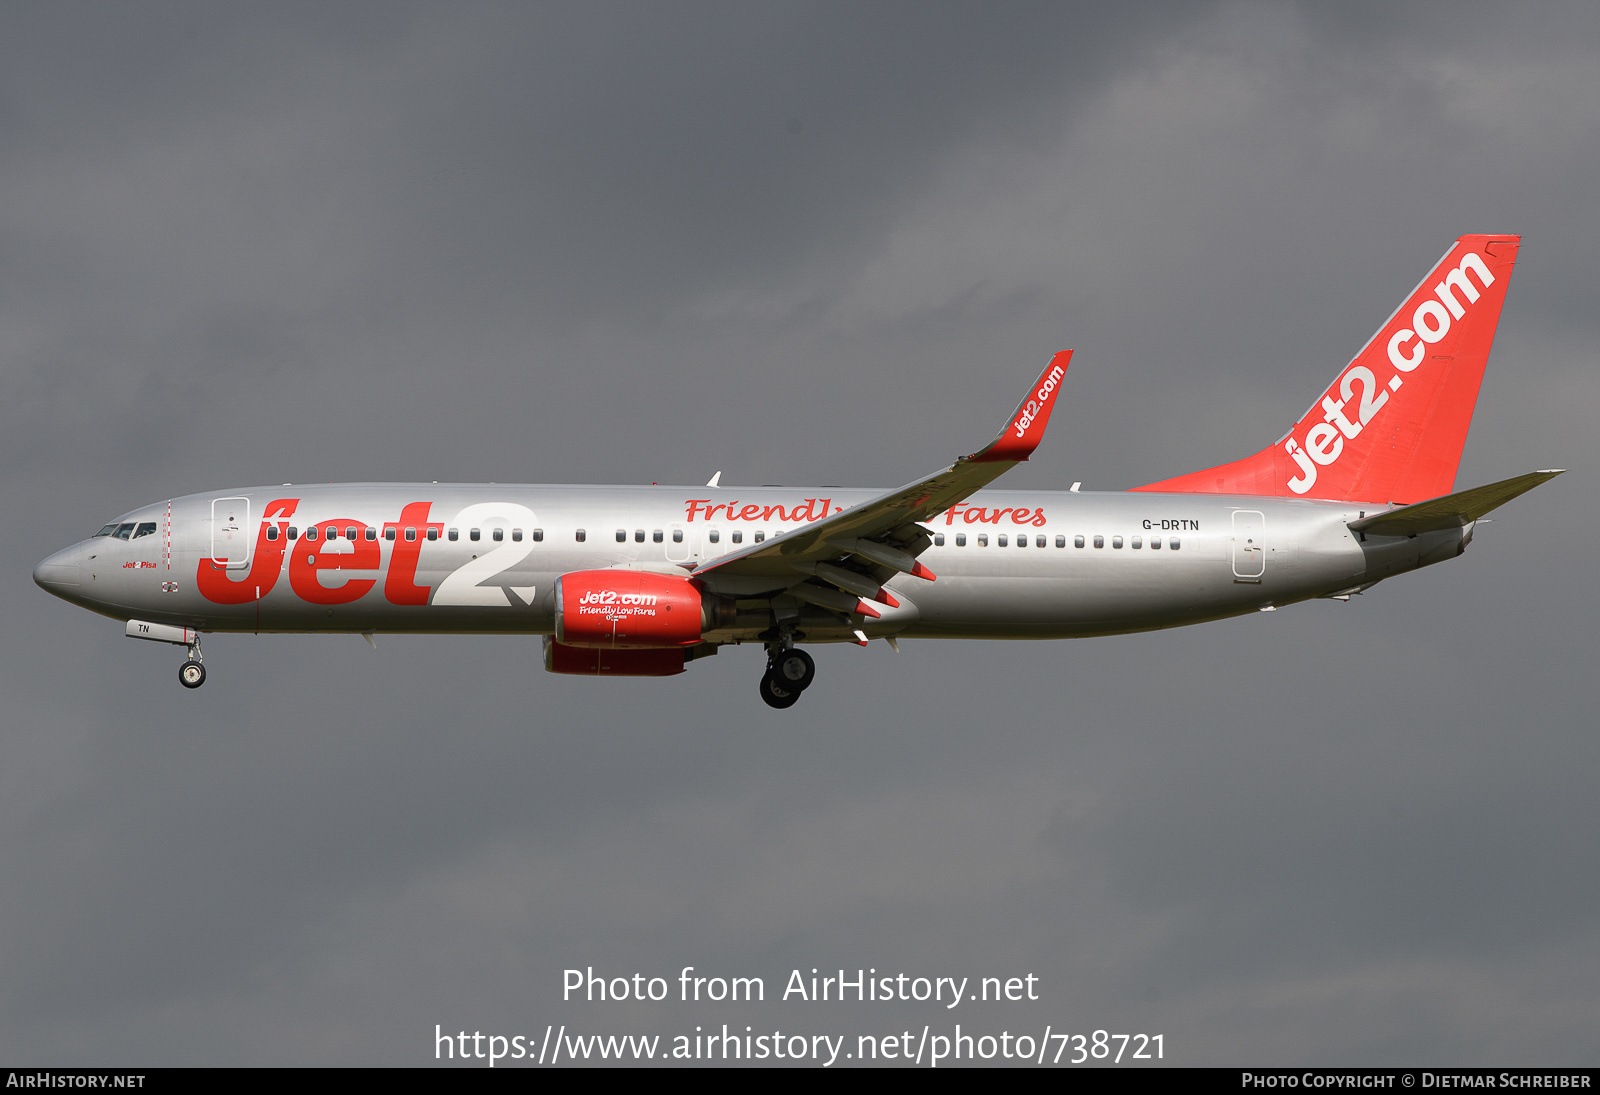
641 581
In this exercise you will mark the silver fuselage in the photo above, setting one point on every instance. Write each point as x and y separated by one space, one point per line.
210 566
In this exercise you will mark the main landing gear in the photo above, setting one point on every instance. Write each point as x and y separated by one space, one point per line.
790 672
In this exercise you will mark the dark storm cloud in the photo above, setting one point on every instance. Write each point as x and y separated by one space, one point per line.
801 243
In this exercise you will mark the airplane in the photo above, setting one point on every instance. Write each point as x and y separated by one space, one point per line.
642 581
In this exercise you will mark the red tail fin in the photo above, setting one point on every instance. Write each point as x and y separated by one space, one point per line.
1391 427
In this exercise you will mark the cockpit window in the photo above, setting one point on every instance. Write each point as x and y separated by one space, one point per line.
124 531
146 528
107 531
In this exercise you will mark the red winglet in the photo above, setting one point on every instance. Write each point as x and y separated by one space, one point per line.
1018 440
864 609
920 571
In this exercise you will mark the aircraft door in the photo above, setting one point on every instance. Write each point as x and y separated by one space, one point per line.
1249 544
682 544
231 538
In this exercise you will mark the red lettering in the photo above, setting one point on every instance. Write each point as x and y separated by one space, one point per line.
974 514
265 565
307 562
950 514
1020 516
999 513
766 514
695 504
712 512
399 585
1038 518
748 513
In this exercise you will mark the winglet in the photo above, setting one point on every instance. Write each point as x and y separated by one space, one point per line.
1026 428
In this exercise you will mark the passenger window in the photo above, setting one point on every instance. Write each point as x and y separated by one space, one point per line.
1038 541
333 533
580 534
1174 543
622 536
1061 541
983 539
433 534
497 535
146 528
372 534
538 535
1155 543
1099 541
272 532
1077 541
714 536
1000 541
1138 542
350 533
655 537
411 534
124 531
453 534
516 535
738 537
294 533
677 536
1116 541
961 539
311 533
388 533
761 534
476 534
107 531
938 539
638 535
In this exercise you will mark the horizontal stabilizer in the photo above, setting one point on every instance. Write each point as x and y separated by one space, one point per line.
1453 510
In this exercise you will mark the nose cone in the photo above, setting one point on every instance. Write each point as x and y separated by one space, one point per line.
59 574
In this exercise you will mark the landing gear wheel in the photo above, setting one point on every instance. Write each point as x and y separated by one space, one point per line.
191 674
775 693
794 670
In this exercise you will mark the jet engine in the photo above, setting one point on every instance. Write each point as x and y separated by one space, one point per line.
635 609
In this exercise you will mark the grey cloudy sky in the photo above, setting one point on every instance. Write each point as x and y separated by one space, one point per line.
799 243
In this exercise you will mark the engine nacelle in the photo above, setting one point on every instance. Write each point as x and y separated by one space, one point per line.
592 662
634 609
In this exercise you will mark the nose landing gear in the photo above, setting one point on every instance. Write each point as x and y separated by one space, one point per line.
790 672
192 673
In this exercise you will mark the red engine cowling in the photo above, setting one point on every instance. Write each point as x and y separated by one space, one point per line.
591 662
627 609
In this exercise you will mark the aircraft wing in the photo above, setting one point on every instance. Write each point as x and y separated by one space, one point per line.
1452 510
872 540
